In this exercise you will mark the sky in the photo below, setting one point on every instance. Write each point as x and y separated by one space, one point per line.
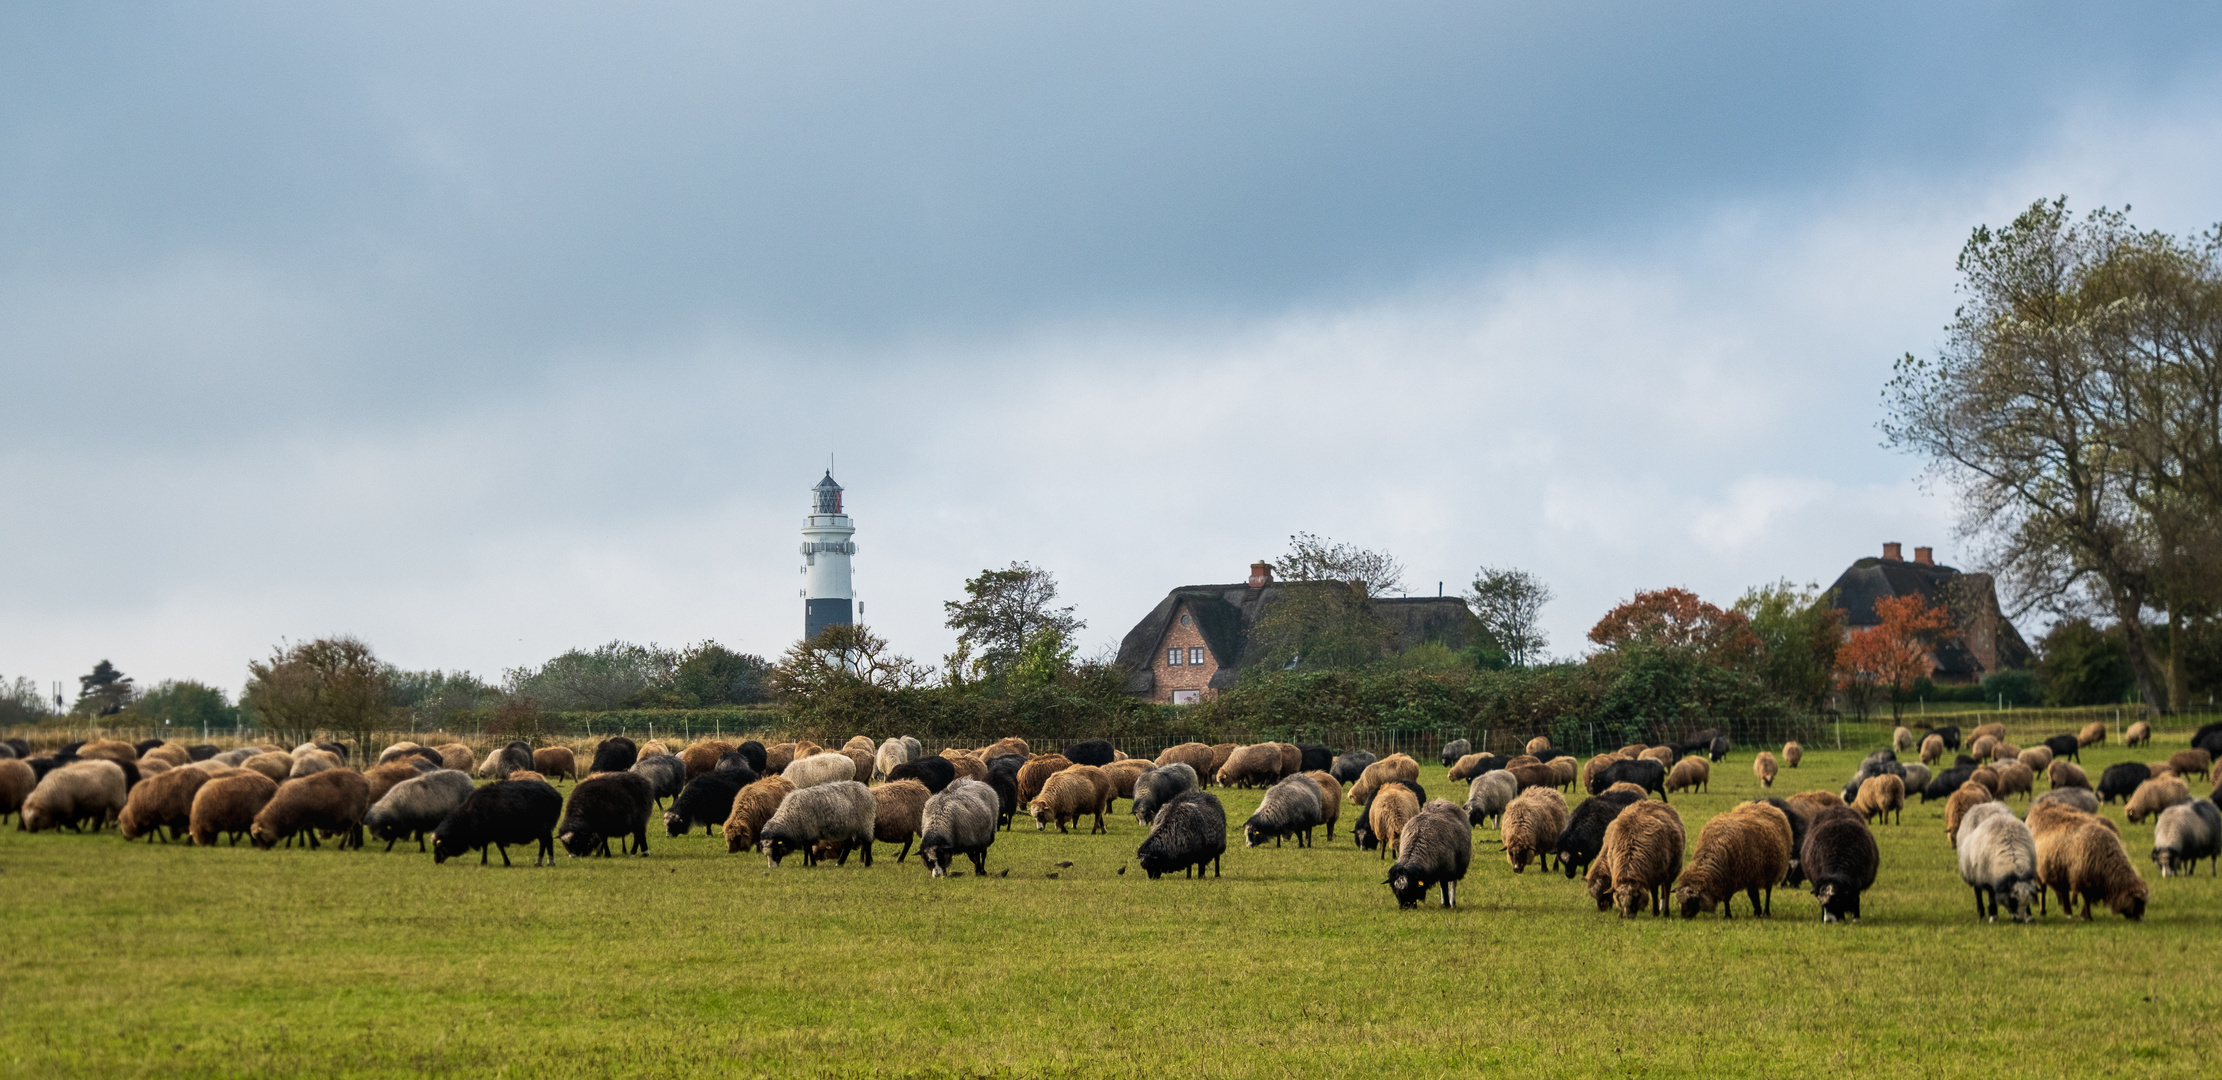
485 332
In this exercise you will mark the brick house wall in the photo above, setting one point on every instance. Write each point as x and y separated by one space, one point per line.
1183 634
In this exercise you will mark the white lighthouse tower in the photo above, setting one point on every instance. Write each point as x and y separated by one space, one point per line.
827 599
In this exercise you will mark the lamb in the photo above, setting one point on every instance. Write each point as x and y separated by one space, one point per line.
2138 734
706 801
891 753
934 772
1745 850
1391 807
416 806
1290 808
809 772
89 789
1584 835
2098 868
1646 774
2067 774
2190 762
1252 765
839 814
1190 831
1932 748
1840 860
228 804
1641 857
332 802
1035 774
1393 767
752 808
158 802
1690 773
1157 787
1880 797
2121 780
898 810
16 781
2156 795
1195 755
958 820
606 805
667 775
1998 858
614 754
1455 749
1763 767
1434 851
1532 825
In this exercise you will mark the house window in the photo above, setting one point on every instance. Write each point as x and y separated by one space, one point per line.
1172 656
1187 697
1196 655
1188 620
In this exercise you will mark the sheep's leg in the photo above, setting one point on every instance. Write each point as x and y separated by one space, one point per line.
504 854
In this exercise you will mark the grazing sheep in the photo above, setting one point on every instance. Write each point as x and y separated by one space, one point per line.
1719 748
780 755
1468 767
1393 767
1792 753
162 801
1881 797
1455 749
1986 776
898 810
16 781
1763 767
2064 748
1998 859
1157 787
936 772
2186 833
959 820
2014 778
1434 850
558 762
667 775
2067 774
172 753
1488 796
1190 831
1969 796
1067 797
706 801
1250 766
515 756
605 805
2138 734
1690 773
228 804
2093 734
1528 776
1746 850
416 806
1932 748
1641 857
1664 755
860 764
1122 773
278 766
891 753
1539 744
1330 793
382 778
88 789
1644 773
1316 758
1624 788
1034 775
2098 868
2190 762
1391 807
1290 808
809 772
1983 747
1584 835
1902 740
332 802
398 750
1840 860
2121 780
752 808
1096 752
512 811
614 754
1594 766
2083 799
108 750
1532 824
2156 795
2006 751
1195 755
312 761
1917 778
1220 752
2036 758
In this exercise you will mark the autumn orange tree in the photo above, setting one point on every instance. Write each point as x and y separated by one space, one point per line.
1677 619
1893 653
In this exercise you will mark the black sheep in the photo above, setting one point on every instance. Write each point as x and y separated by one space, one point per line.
142 746
1840 859
1455 749
1352 765
341 750
607 805
22 747
500 814
707 801
2208 738
1488 763
737 766
618 753
1096 752
1008 764
1191 831
1799 823
202 752
2069 748
1584 835
754 751
1644 773
1549 752
1720 747
1943 784
1950 735
1006 793
516 756
1874 766
1412 786
1317 758
2120 780
934 772
665 773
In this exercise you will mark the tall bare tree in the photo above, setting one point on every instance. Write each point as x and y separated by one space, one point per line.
331 684
1316 558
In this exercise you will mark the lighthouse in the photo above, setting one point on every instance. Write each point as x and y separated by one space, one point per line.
827 599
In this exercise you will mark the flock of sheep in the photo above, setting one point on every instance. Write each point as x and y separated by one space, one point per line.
820 803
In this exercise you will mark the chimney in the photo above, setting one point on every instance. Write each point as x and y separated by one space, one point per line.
1925 556
1261 575
1893 552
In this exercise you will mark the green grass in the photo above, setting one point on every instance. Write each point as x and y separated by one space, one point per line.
129 959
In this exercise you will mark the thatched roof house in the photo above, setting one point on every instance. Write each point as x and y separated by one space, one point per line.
1984 640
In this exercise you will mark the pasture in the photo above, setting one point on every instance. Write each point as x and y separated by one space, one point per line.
133 959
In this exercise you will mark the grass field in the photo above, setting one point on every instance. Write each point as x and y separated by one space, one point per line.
130 959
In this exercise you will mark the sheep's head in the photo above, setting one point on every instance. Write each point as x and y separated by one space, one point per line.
1252 836
936 858
33 819
445 848
1518 856
674 824
739 839
2130 903
262 836
777 847
1630 900
1408 887
1600 890
580 843
1692 901
2022 897
1042 815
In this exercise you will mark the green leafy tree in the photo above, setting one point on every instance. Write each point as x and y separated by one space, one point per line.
1003 614
1509 603
186 703
433 700
1799 631
331 684
2080 664
596 680
841 658
104 692
709 675
22 702
1319 625
1316 558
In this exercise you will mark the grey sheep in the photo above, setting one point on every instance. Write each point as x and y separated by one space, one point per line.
1917 777
1452 751
819 769
417 806
89 789
1290 808
1489 795
2083 799
959 820
1434 849
2186 833
1158 786
891 753
1190 831
840 813
1998 858
667 775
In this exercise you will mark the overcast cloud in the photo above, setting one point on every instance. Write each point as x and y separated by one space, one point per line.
485 333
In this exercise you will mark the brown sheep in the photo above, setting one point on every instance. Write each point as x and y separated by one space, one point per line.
1523 759
2015 778
753 807
1630 752
1690 773
1330 799
1539 744
969 766
1122 773
776 758
1388 812
2098 868
17 778
2093 734
559 762
1991 730
2066 774
900 806
160 802
1393 767
1968 797
1813 802
2138 734
1563 771
2190 762
803 748
1986 776
108 750
150 766
699 758
2156 795
1881 797
1292 760
860 742
520 774
277 766
1983 748
1035 774
1664 755
382 778
1012 744
456 756
1901 740
1792 753
1068 796
1932 748
1464 768
332 802
2005 751
1641 857
1746 850
171 753
1531 826
2038 758
313 761
2050 825
1528 776
863 762
1625 788
1220 752
1195 755
1763 767
227 805
1591 767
